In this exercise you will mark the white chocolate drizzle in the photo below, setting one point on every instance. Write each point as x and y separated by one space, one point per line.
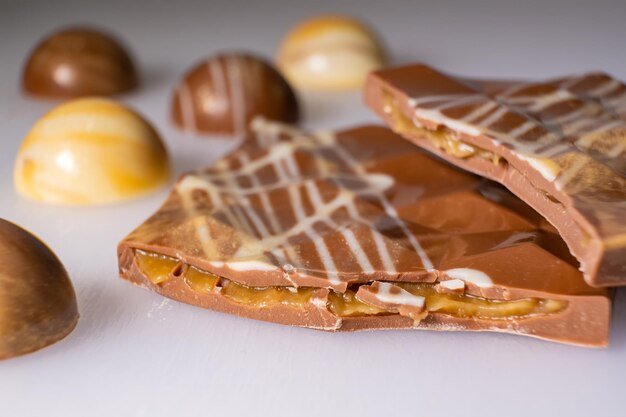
474 276
218 79
453 284
186 108
269 244
392 294
543 133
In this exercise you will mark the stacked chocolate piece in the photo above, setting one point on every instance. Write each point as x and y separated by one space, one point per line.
558 145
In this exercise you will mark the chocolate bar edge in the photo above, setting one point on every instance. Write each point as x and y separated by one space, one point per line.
317 316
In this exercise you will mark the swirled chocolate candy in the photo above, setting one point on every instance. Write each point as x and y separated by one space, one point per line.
37 300
361 230
330 53
222 94
90 151
559 145
78 62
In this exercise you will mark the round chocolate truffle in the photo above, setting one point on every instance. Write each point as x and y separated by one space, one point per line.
222 94
90 151
330 53
37 300
78 62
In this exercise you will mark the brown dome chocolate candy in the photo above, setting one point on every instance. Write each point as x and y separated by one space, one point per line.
222 94
78 62
37 300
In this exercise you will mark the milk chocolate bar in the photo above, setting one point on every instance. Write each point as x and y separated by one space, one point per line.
559 145
361 230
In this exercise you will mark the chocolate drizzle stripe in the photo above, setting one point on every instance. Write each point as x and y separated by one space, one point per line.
237 98
523 129
218 80
348 235
392 294
568 118
265 201
444 99
186 108
478 278
296 200
480 111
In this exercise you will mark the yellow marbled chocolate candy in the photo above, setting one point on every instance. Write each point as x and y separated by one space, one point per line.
90 151
330 53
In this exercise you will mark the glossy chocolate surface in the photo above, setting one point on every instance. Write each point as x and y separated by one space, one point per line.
77 62
561 146
90 151
332 211
223 93
330 53
37 300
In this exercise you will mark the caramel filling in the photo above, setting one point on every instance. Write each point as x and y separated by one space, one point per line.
463 305
346 305
442 138
159 269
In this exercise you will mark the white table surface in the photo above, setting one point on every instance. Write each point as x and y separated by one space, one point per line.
135 353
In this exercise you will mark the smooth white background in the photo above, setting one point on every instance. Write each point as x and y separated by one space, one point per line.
137 354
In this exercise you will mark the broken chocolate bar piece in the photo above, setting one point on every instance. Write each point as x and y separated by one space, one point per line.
558 145
361 230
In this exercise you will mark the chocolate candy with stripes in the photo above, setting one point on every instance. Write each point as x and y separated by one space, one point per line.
361 230
222 94
559 145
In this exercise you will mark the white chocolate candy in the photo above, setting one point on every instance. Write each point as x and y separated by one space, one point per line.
330 53
90 151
